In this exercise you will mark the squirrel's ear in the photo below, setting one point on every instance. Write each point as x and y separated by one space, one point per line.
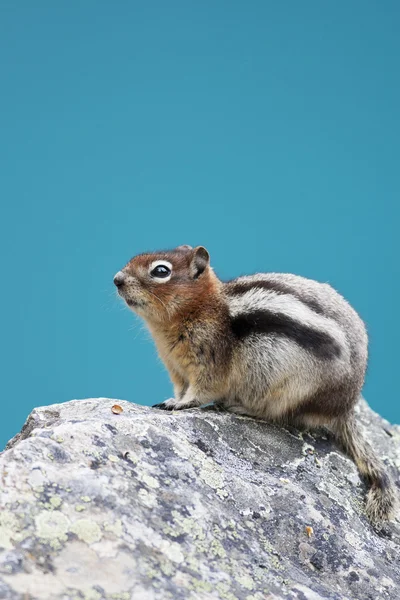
184 247
200 261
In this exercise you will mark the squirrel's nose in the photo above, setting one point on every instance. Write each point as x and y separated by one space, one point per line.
119 279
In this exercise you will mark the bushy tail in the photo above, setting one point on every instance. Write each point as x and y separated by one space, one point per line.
381 497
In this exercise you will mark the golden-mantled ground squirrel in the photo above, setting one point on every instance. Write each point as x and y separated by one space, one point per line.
275 346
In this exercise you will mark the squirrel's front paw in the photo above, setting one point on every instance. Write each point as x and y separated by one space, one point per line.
167 405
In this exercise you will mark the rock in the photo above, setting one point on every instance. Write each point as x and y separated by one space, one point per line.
196 504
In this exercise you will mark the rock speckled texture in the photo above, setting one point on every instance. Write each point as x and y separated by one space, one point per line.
150 505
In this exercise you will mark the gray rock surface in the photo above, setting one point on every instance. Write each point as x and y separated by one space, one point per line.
188 505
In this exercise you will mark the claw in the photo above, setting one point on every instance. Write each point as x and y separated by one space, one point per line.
172 404
163 406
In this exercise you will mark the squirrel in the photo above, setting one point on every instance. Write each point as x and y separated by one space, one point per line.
279 347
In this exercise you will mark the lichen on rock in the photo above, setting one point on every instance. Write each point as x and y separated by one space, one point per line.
190 505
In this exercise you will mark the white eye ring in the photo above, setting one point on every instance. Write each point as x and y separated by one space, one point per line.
160 263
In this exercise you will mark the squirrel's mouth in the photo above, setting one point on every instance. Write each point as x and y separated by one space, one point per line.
135 303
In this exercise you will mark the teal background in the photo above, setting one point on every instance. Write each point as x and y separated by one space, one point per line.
266 131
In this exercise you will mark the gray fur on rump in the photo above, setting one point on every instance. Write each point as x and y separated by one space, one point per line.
296 351
274 346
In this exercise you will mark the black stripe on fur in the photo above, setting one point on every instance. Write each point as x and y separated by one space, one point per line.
266 322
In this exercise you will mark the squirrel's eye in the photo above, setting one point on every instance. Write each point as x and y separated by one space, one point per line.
160 271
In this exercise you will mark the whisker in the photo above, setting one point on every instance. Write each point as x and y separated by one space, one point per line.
161 302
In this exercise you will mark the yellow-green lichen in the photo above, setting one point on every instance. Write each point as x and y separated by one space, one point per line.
167 568
150 481
217 549
246 581
92 594
202 586
52 526
223 590
8 528
152 573
273 558
55 501
115 528
146 498
191 527
212 476
88 531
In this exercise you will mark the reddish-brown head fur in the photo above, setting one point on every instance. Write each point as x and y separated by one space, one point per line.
166 285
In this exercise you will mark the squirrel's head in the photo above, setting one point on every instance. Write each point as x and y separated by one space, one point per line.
161 285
